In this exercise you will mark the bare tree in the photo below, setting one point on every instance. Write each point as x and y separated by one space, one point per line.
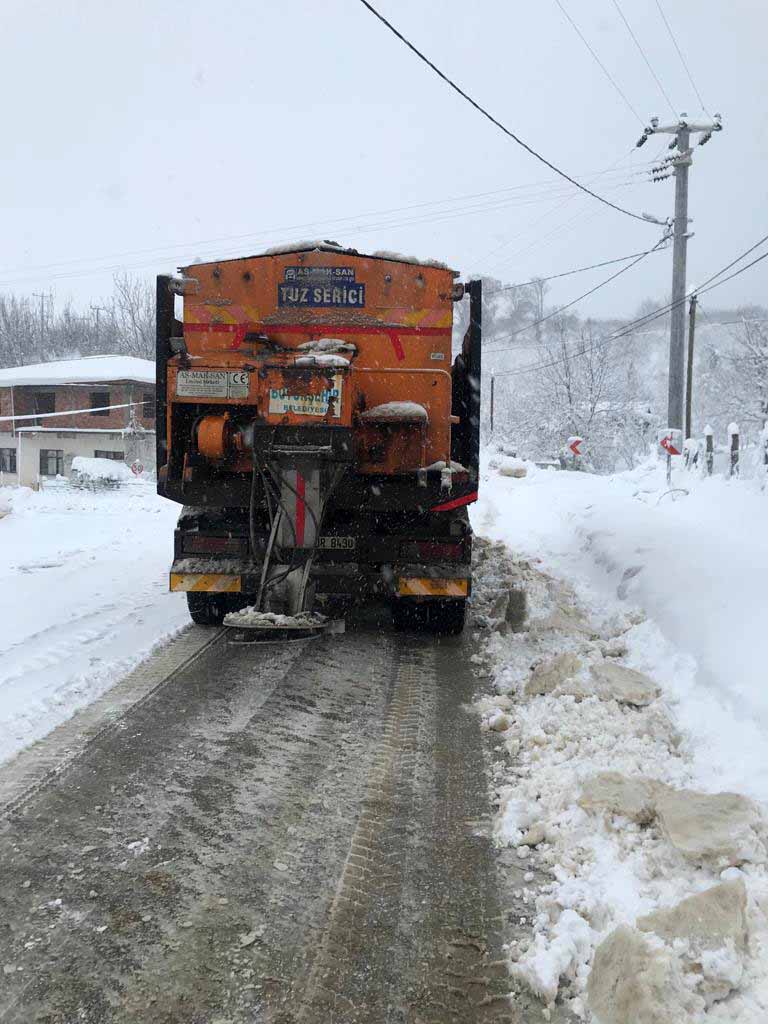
134 316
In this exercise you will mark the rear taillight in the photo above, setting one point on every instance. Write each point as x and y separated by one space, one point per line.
438 551
199 544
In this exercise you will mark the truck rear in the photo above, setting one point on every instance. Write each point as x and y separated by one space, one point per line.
320 436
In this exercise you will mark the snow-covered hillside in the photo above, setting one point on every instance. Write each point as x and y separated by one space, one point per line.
85 582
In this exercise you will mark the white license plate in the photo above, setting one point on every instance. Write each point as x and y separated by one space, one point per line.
337 543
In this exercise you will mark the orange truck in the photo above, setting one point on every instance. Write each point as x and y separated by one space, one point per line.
320 436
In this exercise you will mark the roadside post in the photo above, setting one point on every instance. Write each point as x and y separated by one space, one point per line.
733 433
671 441
709 439
574 446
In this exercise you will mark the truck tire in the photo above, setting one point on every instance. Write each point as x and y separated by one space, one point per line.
448 616
206 609
410 615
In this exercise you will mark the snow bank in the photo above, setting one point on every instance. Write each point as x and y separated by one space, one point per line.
629 808
88 575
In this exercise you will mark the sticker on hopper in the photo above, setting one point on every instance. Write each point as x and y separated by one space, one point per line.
212 383
320 287
282 402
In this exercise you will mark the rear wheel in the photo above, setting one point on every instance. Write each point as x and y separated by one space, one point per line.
448 616
410 615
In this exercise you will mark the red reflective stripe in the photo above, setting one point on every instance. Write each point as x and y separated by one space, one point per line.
317 328
397 345
300 510
467 499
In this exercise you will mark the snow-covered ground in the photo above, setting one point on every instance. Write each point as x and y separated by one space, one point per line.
622 574
84 583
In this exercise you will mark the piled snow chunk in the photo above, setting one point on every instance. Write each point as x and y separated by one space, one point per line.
329 345
560 956
403 412
636 981
633 798
550 675
726 828
322 359
514 467
626 685
676 962
95 474
252 619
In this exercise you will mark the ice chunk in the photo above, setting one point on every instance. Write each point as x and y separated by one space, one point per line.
632 797
551 674
633 981
725 827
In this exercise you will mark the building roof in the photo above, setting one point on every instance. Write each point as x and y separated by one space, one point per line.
91 370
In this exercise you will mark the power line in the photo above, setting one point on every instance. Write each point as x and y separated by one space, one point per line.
546 184
653 315
567 273
434 216
645 58
568 305
682 58
495 121
612 168
600 64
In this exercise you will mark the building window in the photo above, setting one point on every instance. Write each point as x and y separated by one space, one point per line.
148 405
115 456
7 460
51 462
99 403
43 402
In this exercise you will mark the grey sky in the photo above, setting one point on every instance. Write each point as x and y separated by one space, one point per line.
142 135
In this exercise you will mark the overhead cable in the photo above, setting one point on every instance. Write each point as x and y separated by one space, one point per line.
710 284
645 58
682 58
494 120
599 63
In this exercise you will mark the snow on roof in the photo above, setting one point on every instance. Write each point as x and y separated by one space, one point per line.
91 370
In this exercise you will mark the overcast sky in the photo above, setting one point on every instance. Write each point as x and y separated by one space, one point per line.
144 135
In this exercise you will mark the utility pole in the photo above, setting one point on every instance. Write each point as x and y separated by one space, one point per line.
678 164
689 375
492 383
42 296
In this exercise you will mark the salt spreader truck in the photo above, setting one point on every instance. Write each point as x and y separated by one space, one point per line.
320 437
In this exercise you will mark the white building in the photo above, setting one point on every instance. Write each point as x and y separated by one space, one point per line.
101 406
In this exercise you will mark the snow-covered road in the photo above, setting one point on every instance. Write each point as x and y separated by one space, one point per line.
84 585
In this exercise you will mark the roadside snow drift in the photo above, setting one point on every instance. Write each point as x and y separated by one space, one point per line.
84 579
631 720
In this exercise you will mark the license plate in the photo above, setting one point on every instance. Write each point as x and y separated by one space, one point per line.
337 543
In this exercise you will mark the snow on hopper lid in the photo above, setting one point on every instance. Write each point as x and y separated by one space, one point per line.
403 412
